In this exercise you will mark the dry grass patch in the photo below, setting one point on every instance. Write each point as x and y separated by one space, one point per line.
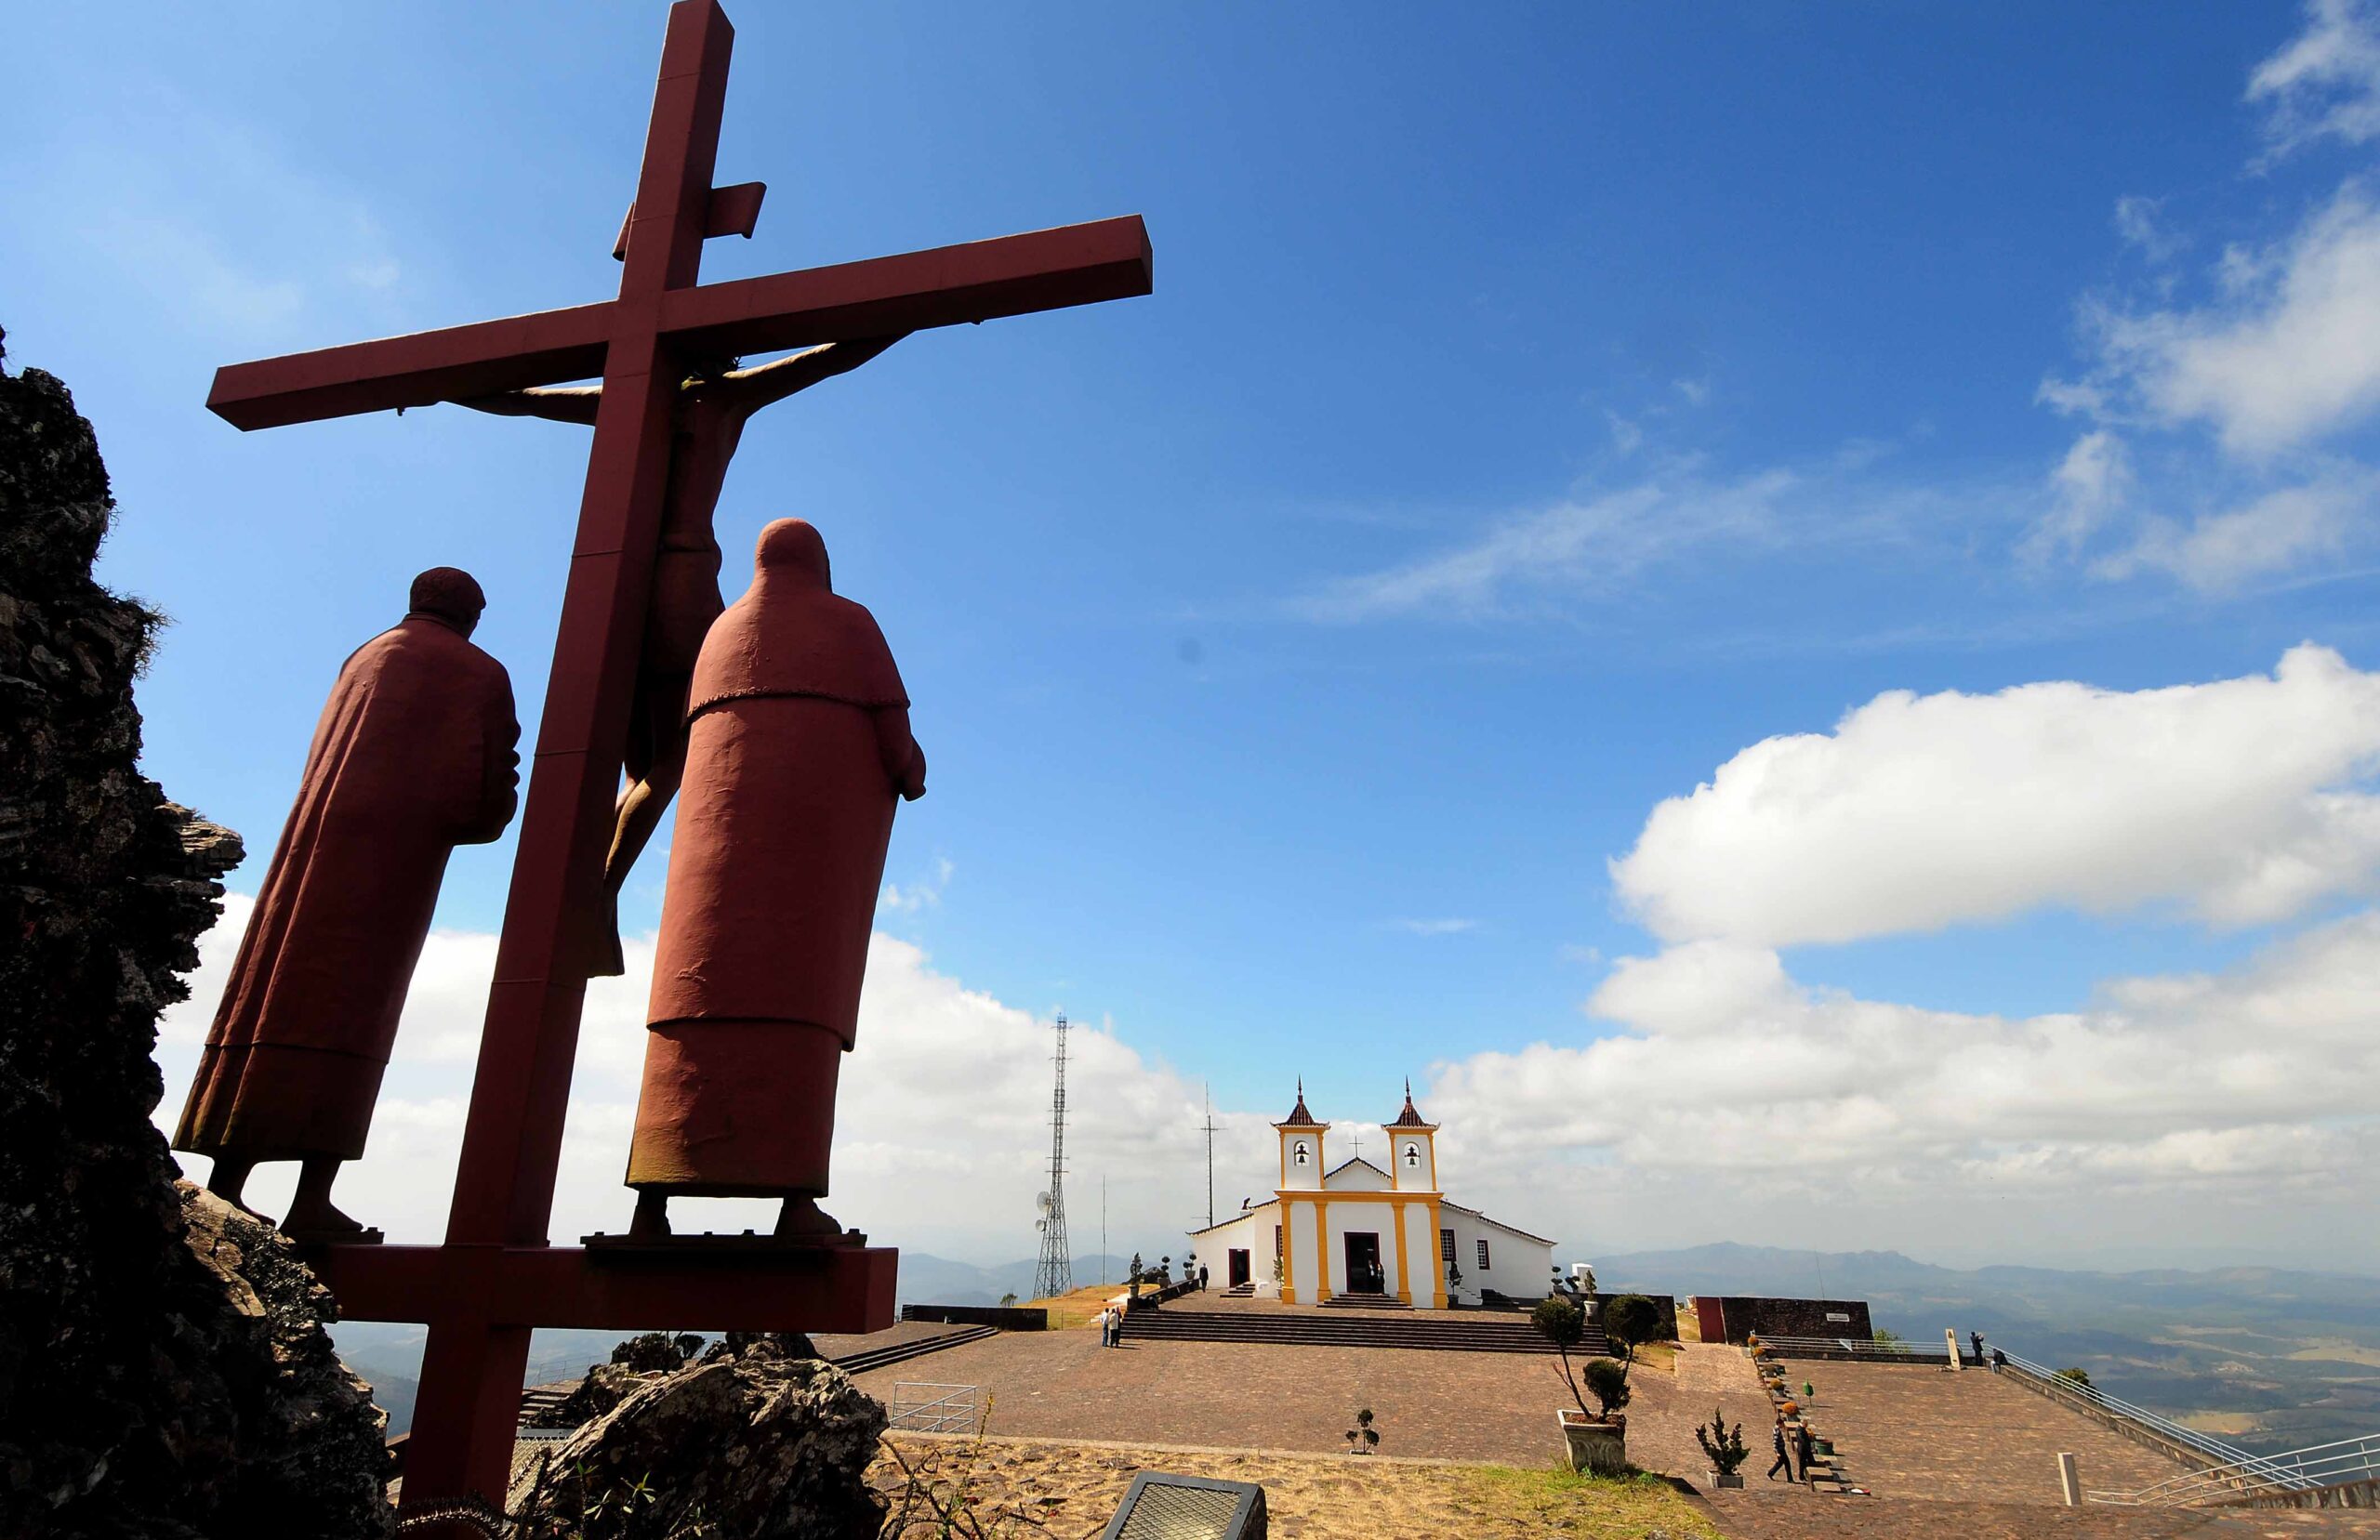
1014 1488
1078 1309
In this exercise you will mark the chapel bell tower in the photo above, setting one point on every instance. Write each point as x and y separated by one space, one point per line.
1412 1150
1300 1148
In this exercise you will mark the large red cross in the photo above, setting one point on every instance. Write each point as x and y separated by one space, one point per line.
496 1277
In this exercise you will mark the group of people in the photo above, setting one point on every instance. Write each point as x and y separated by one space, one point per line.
1111 1326
1792 1458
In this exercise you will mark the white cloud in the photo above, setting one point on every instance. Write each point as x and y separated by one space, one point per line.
1437 926
2293 356
1728 1085
942 1125
2276 533
2137 220
2241 1083
2325 82
1580 545
2240 800
2088 487
924 893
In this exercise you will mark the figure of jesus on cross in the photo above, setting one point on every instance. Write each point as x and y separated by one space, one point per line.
642 588
707 420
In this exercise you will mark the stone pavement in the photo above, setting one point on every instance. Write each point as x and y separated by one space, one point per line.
1917 1430
1753 1515
1495 1407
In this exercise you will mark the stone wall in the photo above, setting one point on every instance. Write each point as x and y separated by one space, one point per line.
1008 1318
1739 1315
162 1366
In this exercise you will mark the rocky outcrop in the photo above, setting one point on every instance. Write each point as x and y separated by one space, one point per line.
760 1444
162 1366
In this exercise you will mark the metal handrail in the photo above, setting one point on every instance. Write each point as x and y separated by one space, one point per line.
1859 1346
2316 1465
951 1413
2212 1448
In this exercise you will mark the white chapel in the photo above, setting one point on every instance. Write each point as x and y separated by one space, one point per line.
1356 1233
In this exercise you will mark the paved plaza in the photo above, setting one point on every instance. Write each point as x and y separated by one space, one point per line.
1919 1430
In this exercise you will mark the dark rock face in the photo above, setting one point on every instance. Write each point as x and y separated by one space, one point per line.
162 1366
760 1446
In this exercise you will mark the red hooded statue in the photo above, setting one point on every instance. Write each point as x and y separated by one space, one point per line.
414 755
799 750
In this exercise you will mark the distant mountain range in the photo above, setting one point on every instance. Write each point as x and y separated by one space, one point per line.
2269 1358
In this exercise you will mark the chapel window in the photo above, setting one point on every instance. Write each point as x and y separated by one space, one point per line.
1412 1154
1483 1253
1300 1152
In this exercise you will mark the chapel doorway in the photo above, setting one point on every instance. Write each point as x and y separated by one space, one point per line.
1363 1276
1236 1268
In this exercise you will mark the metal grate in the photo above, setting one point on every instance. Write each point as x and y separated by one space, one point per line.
1178 1513
1188 1507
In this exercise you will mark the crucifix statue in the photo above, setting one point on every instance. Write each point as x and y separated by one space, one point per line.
643 583
707 413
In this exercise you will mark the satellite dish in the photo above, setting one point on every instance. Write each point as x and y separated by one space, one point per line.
1044 1202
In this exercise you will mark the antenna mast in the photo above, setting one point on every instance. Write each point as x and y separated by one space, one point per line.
1054 1273
1211 1157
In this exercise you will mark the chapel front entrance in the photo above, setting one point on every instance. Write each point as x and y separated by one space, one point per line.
1363 1276
1236 1268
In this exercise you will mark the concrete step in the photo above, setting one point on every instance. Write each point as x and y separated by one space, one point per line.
901 1353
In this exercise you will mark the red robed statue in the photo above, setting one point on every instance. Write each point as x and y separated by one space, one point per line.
797 752
414 755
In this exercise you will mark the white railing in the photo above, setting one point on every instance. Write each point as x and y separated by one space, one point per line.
2214 1449
1789 1346
2321 1465
919 1406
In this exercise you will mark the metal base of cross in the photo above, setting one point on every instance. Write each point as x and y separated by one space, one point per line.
481 1301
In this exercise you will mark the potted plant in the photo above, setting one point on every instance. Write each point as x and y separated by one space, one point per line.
1363 1439
1724 1446
1593 1441
1630 1320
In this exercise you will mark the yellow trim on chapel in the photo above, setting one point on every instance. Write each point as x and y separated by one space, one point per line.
1322 1249
1288 1249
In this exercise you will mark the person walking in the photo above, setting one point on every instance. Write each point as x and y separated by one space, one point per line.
1107 1327
1202 1278
1783 1462
1803 1453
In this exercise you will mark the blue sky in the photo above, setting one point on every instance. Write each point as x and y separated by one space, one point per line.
1538 410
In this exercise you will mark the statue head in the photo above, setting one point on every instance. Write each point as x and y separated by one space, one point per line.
448 594
791 551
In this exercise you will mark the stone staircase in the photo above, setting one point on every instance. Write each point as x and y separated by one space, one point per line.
901 1353
1427 1330
1365 1302
1240 1291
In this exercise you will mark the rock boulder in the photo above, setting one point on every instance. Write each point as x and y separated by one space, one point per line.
760 1446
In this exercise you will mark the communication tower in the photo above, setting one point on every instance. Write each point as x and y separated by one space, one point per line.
1054 1273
